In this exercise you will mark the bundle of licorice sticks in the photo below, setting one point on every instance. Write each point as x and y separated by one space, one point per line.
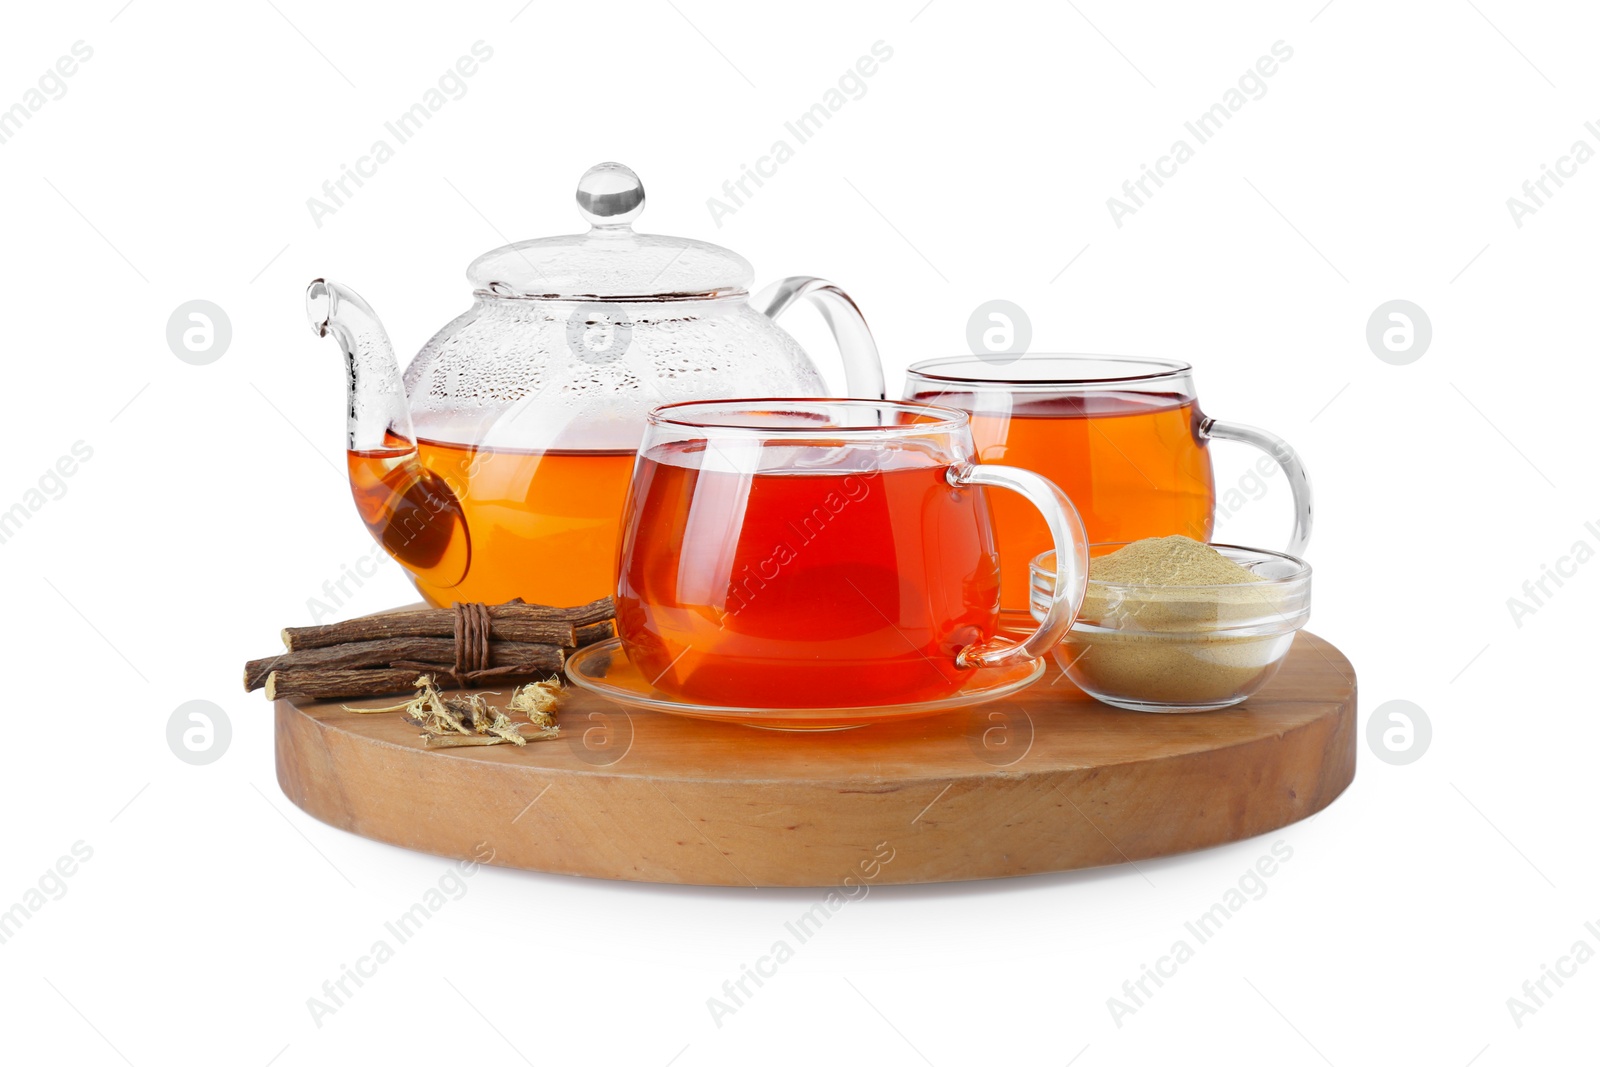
464 646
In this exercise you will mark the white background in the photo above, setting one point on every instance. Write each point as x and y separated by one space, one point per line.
977 165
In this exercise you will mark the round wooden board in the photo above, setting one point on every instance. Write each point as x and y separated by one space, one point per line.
1045 780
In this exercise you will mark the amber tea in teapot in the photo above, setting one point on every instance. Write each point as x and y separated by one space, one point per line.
547 510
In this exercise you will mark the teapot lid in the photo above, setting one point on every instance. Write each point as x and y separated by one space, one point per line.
611 261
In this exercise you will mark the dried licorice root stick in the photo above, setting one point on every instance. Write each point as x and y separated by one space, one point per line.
593 632
584 614
337 683
529 623
393 651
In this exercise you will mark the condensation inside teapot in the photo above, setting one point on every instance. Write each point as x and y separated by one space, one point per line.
549 374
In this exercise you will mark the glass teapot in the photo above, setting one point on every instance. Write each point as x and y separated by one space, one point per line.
497 466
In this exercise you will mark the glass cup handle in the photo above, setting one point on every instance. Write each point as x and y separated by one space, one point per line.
863 370
1293 469
1072 563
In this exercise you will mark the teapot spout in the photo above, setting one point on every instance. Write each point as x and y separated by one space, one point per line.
376 398
412 511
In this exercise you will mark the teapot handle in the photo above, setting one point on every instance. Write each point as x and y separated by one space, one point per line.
863 372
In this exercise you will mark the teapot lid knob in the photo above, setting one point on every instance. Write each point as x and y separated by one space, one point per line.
611 260
610 195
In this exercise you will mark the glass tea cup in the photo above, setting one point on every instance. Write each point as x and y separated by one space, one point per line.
824 553
1123 437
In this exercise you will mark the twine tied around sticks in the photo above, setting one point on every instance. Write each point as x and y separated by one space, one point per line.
471 664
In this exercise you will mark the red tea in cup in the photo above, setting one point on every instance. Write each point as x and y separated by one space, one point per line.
803 564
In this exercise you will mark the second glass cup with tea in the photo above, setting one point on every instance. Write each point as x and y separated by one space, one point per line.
825 553
1124 437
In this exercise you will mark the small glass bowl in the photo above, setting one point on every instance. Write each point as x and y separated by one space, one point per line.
1177 648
